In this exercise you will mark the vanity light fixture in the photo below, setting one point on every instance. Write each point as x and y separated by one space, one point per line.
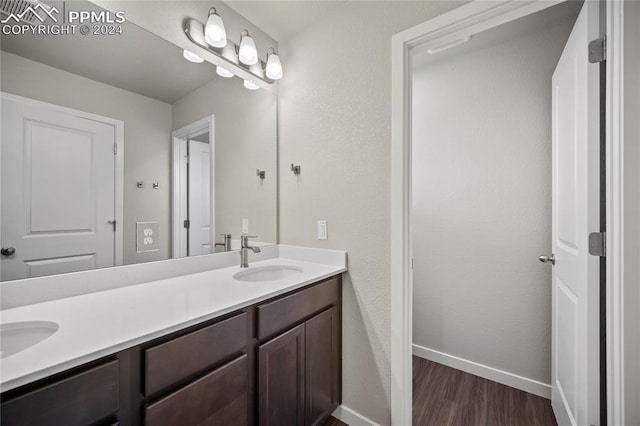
273 69
190 56
214 32
234 60
223 72
247 52
248 84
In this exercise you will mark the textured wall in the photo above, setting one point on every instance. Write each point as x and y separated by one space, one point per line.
245 140
482 203
147 130
335 121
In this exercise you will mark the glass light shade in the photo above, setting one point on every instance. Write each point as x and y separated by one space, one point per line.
190 56
251 85
223 72
248 54
274 67
214 32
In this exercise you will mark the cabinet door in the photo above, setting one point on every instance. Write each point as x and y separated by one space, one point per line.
281 380
322 369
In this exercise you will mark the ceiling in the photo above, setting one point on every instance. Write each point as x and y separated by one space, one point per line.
282 19
135 60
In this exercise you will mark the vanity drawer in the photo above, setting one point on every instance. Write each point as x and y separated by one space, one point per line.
81 399
281 313
219 398
177 359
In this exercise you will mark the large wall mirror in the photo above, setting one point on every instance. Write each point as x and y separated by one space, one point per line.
116 150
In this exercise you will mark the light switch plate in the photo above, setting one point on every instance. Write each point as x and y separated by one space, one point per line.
322 230
147 237
245 226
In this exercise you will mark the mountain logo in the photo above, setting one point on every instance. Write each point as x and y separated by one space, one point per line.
30 14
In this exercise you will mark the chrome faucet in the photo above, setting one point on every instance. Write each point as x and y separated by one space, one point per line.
227 242
244 250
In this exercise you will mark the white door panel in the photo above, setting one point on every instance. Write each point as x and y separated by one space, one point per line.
200 233
58 191
575 334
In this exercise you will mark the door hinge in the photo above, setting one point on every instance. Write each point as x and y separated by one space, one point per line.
598 50
114 223
187 223
115 149
186 159
597 244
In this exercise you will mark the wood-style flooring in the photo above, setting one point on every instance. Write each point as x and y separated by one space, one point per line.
444 396
332 421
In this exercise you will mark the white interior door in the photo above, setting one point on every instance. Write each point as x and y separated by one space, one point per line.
575 158
199 198
58 191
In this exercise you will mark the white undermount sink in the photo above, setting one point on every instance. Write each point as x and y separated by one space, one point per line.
18 336
269 273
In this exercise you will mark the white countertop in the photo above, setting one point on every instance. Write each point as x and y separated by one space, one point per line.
98 324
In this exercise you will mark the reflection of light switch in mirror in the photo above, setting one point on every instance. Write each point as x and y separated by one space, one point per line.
245 226
147 236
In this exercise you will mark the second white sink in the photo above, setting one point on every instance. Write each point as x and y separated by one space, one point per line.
18 336
269 273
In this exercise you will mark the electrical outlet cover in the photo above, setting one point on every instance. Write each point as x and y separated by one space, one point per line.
147 237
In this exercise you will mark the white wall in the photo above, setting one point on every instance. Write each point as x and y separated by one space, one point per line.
335 121
245 140
482 203
147 133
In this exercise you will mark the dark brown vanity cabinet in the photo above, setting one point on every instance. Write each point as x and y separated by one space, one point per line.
299 369
81 398
214 394
274 363
218 398
281 379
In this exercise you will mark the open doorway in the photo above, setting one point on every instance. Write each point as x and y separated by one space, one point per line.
193 189
501 173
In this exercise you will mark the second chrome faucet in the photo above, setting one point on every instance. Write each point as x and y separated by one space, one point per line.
244 250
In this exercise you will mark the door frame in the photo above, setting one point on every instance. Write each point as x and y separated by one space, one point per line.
179 197
472 18
118 126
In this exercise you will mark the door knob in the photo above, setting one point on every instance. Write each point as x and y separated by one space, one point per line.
546 259
7 251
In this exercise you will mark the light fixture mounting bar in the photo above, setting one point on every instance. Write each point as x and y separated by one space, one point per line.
194 30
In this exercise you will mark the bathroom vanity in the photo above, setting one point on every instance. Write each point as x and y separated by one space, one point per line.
273 360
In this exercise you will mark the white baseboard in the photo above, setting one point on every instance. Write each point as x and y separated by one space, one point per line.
352 418
490 373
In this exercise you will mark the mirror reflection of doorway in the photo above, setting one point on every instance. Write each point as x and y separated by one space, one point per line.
61 189
193 228
199 195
